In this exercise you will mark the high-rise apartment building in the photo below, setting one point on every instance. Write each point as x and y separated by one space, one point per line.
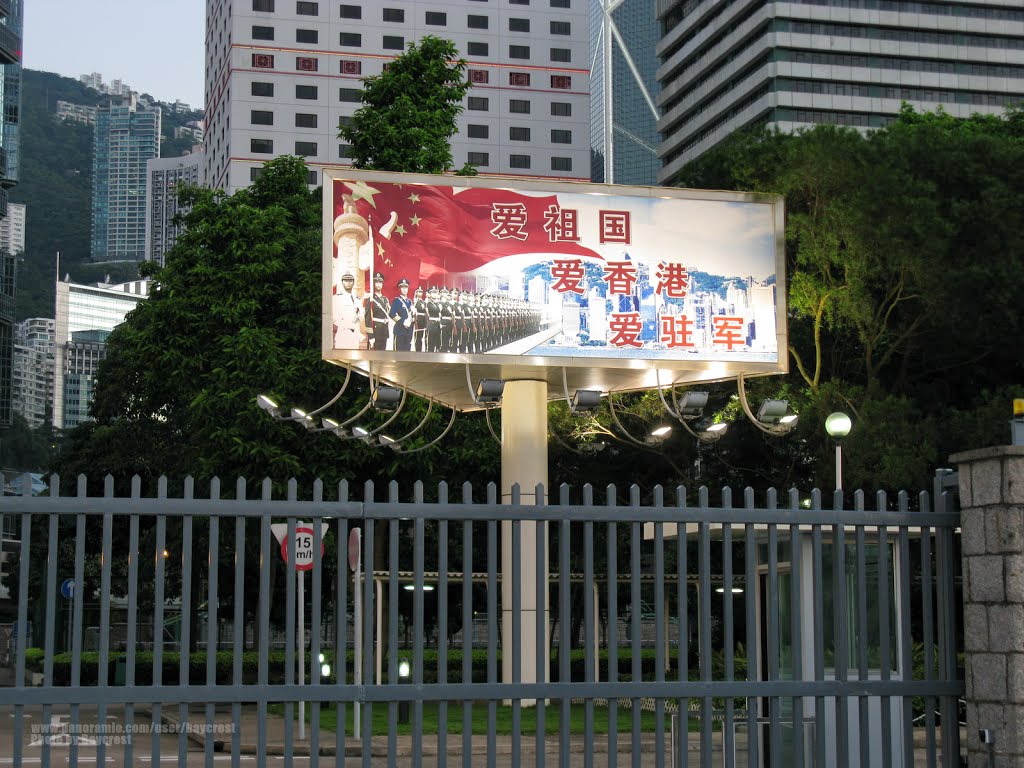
164 176
624 116
281 75
728 65
12 229
32 389
10 116
86 314
127 135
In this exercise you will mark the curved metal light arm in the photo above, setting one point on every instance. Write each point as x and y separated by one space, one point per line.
766 428
673 413
333 400
398 410
565 389
417 428
622 429
433 442
487 415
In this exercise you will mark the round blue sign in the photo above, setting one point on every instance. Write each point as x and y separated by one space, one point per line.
67 588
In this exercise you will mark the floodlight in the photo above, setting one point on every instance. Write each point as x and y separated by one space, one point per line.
300 415
360 433
386 398
773 411
330 425
489 390
387 442
714 431
661 431
692 404
268 405
585 400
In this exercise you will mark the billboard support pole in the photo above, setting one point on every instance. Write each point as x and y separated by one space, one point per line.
524 460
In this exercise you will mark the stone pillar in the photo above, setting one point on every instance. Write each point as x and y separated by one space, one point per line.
992 541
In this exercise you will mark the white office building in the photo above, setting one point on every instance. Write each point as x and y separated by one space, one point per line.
281 75
729 65
32 372
164 175
12 229
86 314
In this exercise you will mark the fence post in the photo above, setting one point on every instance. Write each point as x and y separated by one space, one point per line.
991 484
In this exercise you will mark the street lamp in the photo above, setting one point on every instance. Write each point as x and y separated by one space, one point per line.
838 426
403 677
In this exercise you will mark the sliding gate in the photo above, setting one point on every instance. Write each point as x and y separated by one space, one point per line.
172 627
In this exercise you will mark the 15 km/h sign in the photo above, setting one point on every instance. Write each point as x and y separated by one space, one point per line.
302 543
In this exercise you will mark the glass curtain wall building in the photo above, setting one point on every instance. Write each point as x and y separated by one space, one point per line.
624 34
729 65
10 98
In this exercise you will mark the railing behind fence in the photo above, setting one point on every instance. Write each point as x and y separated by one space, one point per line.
780 634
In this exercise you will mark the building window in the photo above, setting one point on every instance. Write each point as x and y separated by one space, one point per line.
561 82
561 54
307 36
479 159
344 150
519 78
255 173
305 148
478 103
518 25
351 12
350 94
518 2
519 51
518 133
344 121
262 33
395 15
261 146
519 106
262 89
561 28
559 3
263 6
561 109
561 163
311 178
393 42
478 75
474 21
478 131
350 39
261 117
305 64
307 9
519 161
350 67
305 120
560 136
476 49
262 61
436 19
305 92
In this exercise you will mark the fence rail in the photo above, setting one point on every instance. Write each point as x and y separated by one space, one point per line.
784 634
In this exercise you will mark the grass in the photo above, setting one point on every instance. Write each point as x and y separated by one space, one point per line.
480 720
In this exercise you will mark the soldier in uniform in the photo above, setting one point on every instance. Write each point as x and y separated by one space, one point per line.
419 328
447 321
376 311
458 322
403 315
347 311
433 321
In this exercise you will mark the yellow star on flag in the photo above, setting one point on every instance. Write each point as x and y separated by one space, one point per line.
414 198
400 229
380 249
362 191
415 220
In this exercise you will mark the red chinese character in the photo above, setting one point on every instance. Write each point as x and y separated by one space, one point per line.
728 331
673 279
509 218
627 326
614 226
560 224
568 273
620 276
676 330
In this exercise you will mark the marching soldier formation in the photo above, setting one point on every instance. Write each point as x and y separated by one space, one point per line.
444 319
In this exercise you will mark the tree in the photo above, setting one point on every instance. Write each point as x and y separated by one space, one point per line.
409 110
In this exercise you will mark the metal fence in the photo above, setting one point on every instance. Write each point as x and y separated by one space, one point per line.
668 632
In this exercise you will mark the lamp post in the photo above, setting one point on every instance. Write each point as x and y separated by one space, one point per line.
838 426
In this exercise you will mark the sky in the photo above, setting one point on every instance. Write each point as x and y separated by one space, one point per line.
155 46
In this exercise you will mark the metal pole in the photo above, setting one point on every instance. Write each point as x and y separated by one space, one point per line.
302 649
839 466
357 667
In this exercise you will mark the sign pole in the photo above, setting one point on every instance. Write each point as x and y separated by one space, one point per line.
301 587
355 561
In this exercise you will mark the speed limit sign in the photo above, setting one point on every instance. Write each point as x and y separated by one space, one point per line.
303 545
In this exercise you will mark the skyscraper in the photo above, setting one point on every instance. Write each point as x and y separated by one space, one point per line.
10 99
281 75
127 136
624 116
164 175
725 66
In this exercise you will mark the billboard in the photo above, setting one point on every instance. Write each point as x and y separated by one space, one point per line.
447 269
